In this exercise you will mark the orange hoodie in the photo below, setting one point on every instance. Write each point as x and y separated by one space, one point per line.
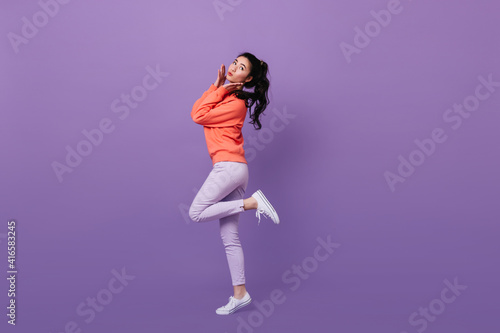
222 116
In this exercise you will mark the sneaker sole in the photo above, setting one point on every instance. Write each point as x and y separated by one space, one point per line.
268 204
236 308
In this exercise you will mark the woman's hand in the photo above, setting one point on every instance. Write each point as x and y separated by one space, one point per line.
221 76
232 86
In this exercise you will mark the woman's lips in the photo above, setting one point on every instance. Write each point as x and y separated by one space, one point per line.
229 73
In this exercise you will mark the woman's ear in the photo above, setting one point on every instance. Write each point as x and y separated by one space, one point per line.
248 79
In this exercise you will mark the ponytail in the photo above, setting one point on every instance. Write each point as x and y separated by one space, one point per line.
258 96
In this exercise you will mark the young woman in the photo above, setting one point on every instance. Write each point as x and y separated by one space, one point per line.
222 111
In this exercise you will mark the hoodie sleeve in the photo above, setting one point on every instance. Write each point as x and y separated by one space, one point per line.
206 112
205 94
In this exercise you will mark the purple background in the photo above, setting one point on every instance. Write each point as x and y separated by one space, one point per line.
125 205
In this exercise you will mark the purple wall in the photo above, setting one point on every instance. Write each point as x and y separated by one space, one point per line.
381 140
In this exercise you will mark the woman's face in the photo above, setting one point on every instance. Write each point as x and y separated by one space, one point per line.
239 71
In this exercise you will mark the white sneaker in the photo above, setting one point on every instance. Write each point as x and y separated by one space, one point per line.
265 207
234 304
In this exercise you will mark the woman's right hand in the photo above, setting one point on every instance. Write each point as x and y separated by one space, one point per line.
221 76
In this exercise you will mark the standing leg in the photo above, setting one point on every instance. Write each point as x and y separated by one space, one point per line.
234 252
230 237
232 246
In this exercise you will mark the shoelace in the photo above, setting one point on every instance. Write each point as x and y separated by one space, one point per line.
230 305
261 211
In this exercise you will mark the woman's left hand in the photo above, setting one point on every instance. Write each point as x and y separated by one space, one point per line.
232 86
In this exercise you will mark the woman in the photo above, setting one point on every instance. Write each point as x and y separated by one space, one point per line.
222 111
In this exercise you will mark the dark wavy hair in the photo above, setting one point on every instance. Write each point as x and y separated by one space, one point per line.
258 96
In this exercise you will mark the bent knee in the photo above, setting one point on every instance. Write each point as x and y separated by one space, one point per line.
194 215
